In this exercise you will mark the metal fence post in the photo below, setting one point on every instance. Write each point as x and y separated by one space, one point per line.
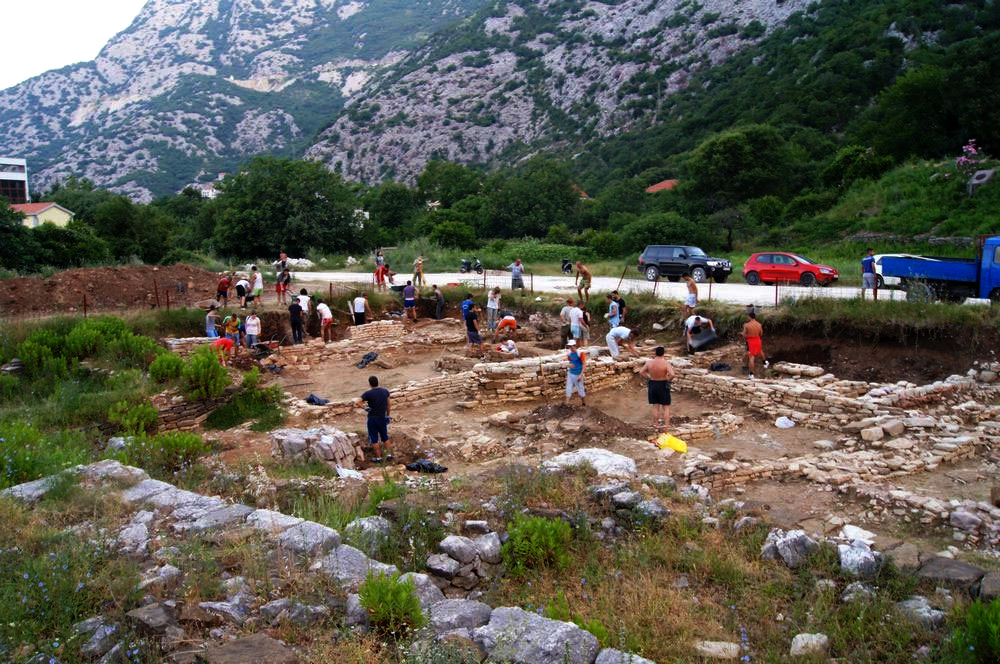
775 292
167 293
84 305
531 276
156 292
710 290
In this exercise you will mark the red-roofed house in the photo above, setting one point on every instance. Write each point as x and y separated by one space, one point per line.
666 185
36 214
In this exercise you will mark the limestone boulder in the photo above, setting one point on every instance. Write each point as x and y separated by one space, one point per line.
519 637
604 462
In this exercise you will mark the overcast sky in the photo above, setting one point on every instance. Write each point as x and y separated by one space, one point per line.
39 35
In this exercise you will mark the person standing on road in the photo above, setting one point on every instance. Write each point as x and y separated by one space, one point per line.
438 303
325 320
620 336
614 319
492 309
692 297
517 275
868 277
410 301
659 372
574 375
418 271
253 329
565 326
360 308
379 407
584 276
295 320
753 333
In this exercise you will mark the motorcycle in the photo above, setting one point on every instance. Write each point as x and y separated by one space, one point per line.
567 266
471 266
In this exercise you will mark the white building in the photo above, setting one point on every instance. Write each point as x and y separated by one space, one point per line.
14 180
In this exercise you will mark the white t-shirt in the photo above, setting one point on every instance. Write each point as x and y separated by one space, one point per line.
324 311
576 316
620 333
303 302
258 281
359 305
244 283
493 302
564 314
253 325
689 323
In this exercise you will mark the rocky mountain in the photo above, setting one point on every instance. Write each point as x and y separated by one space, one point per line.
522 74
194 87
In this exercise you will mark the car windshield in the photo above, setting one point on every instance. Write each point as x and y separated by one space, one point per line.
695 251
802 259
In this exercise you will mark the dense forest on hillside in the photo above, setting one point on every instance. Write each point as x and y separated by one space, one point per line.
845 121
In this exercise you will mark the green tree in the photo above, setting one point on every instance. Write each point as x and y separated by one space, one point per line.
452 232
132 230
392 208
78 195
448 183
71 246
529 201
274 204
662 228
186 212
17 248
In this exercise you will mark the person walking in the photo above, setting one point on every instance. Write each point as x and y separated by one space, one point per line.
295 320
325 320
620 337
517 275
868 277
284 282
565 326
410 301
379 406
691 301
253 329
659 372
438 303
418 271
614 319
574 375
753 333
584 277
492 309
360 308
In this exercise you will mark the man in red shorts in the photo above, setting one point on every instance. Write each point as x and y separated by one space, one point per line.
507 327
223 347
753 332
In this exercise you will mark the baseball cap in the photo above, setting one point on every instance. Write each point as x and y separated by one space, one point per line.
571 342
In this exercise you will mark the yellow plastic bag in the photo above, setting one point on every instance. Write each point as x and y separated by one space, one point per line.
673 442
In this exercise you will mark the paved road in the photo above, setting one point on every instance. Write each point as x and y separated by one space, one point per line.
734 293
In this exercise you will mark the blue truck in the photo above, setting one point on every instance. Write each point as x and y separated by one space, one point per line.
930 277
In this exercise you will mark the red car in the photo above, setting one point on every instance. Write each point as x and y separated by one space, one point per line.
783 267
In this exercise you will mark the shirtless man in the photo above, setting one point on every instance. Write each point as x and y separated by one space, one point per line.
753 332
692 297
659 372
584 278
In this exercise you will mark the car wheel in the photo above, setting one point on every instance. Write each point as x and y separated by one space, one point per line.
652 272
752 278
879 282
721 279
698 274
807 279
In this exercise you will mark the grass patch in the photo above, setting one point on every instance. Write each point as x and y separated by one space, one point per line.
260 404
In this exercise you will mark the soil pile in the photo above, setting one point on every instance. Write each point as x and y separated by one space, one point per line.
107 288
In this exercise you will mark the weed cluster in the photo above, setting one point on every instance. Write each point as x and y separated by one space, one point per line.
536 542
251 403
392 604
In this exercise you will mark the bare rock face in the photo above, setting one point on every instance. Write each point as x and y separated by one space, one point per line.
517 636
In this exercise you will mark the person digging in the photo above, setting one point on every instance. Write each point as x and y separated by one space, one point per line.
378 407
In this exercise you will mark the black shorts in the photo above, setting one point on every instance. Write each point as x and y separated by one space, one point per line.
359 318
241 291
659 392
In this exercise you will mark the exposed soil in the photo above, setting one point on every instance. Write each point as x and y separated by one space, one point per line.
869 360
107 288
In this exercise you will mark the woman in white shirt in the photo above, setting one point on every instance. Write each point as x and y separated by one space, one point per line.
492 307
253 328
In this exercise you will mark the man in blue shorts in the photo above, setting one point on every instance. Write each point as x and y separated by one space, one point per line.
378 408
410 300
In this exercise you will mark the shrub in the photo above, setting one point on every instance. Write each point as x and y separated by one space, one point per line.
251 379
165 454
83 341
10 387
559 610
36 357
606 244
134 418
204 377
166 367
263 405
392 605
133 350
977 639
537 542
27 454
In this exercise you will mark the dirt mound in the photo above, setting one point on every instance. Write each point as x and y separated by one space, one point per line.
591 420
107 288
